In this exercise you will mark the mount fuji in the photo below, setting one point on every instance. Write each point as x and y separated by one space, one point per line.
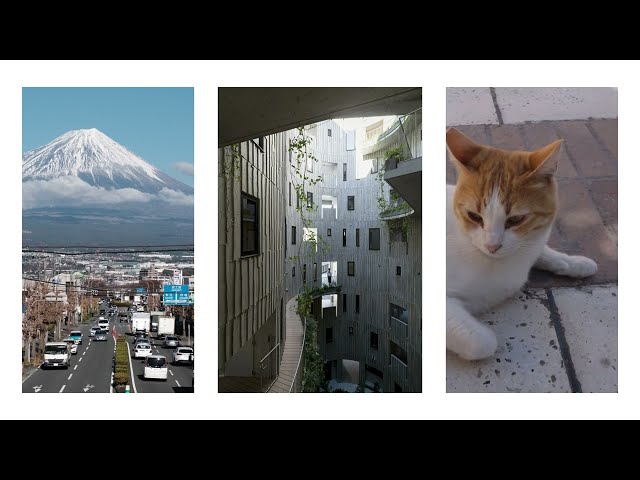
81 185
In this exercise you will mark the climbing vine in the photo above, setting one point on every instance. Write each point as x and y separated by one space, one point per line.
396 205
230 172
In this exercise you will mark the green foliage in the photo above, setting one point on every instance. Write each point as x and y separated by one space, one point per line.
313 379
395 152
121 378
121 369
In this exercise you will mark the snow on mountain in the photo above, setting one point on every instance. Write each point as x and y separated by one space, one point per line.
99 161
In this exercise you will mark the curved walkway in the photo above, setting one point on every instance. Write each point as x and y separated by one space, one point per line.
292 349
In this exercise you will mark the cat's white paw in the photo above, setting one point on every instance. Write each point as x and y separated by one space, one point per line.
578 267
481 343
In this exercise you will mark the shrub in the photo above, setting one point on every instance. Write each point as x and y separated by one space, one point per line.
121 378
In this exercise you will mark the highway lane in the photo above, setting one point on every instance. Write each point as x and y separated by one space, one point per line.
90 367
179 378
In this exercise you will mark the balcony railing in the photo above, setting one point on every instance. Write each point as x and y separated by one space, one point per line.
398 368
268 368
399 329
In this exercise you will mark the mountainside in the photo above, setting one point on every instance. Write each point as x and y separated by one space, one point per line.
97 160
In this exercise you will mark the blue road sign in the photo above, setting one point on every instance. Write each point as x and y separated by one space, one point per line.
141 290
176 295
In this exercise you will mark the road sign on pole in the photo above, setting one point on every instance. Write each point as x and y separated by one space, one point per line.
176 295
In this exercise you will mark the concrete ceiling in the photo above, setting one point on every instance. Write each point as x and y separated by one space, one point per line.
247 113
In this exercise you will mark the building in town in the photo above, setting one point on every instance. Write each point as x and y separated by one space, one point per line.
365 213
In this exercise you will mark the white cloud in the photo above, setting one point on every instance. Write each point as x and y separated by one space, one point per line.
174 197
27 231
70 190
184 167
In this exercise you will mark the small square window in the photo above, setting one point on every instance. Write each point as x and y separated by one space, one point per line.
351 201
350 330
293 235
344 237
293 271
344 303
373 340
344 172
357 303
328 335
309 199
328 232
329 132
374 239
351 268
259 142
398 270
250 224
357 237
304 273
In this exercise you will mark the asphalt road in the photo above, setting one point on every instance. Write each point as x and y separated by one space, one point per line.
90 369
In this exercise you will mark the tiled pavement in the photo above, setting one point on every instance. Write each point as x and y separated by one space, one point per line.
561 335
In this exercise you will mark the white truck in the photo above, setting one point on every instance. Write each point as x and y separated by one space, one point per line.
140 321
166 326
56 354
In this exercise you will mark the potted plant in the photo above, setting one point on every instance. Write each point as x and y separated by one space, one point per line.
393 156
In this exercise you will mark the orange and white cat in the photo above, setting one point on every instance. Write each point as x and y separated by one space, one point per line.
499 217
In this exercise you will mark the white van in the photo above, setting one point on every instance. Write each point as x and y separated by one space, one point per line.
57 354
155 366
103 323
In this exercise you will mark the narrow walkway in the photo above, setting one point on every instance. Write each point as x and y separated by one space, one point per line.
292 349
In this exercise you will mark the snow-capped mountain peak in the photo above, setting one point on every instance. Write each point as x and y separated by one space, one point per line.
99 161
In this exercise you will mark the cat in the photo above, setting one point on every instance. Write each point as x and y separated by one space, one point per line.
499 218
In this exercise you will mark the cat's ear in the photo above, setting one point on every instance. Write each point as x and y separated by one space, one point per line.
543 161
462 150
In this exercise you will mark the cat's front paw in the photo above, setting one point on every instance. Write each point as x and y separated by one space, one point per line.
578 267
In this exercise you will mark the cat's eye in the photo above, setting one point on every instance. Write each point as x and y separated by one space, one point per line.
474 217
514 221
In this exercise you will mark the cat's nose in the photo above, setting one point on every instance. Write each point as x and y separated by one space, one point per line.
492 247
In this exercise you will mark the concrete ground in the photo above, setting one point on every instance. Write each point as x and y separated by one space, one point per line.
560 334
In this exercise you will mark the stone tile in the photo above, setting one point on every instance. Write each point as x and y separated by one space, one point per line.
451 174
537 135
589 158
528 357
605 195
470 106
477 133
607 131
590 319
535 104
507 137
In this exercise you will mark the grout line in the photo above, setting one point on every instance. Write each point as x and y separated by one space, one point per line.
565 352
599 141
495 105
576 167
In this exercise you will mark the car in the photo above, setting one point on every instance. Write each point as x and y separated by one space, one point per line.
171 341
155 367
142 350
92 331
141 340
103 323
141 336
182 355
72 343
101 335
76 335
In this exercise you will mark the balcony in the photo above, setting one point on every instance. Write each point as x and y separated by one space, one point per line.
398 368
399 330
405 177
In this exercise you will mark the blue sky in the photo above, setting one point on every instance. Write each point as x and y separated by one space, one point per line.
154 123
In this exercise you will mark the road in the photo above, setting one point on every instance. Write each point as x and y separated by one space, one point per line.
91 368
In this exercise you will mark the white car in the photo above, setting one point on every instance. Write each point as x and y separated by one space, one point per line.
103 323
74 349
72 343
183 355
155 366
142 350
93 330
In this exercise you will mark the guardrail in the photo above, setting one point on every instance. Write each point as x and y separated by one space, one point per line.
296 385
269 369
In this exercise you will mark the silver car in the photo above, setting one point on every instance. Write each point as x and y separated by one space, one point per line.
171 341
100 336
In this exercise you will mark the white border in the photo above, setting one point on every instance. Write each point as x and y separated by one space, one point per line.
433 76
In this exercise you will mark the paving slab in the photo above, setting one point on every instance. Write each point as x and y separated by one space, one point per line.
470 106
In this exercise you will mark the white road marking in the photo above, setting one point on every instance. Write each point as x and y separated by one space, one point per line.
133 380
37 388
31 374
85 352
70 377
76 367
80 359
177 383
62 388
171 373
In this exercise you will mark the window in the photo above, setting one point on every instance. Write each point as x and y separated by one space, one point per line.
344 172
328 232
290 152
297 200
351 200
293 235
285 236
293 271
373 340
315 272
259 142
398 352
396 234
357 237
289 193
357 303
350 330
399 313
329 132
304 273
250 241
344 237
344 303
351 140
309 199
351 268
374 239
398 270
374 165
328 335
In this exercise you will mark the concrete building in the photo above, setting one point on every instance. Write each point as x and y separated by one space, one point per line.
369 256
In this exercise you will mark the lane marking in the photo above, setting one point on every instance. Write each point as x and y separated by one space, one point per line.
69 377
171 373
80 359
76 367
85 352
31 374
133 379
177 383
62 388
37 388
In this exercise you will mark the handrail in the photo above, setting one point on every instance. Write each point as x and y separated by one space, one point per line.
263 358
304 335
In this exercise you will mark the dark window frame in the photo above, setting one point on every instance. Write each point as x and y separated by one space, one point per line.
293 235
357 303
351 266
371 232
344 303
328 232
259 143
351 202
357 237
289 193
344 172
398 270
328 132
309 200
374 345
293 271
304 273
315 271
256 251
328 335
344 237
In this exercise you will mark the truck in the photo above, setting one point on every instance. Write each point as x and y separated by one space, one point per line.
154 319
166 326
56 354
140 321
